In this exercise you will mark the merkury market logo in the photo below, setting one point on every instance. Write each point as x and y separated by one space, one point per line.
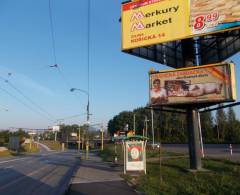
137 18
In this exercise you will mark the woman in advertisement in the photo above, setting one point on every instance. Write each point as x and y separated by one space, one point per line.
158 94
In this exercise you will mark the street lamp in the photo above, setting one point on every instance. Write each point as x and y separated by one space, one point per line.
87 93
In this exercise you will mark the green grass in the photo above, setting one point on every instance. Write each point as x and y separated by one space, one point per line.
109 153
23 150
222 177
5 153
27 148
53 145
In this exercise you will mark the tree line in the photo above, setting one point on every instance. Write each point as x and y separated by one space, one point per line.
4 136
221 126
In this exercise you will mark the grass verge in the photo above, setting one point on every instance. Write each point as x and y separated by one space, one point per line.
5 153
222 176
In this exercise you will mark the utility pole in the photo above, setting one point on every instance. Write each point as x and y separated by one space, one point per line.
102 131
79 138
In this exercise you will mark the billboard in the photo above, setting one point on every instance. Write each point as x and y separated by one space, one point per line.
199 84
56 128
149 22
135 156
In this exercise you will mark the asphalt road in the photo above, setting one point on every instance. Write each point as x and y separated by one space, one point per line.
45 173
219 151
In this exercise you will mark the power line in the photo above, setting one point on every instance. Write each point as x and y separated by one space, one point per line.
71 117
27 98
88 43
23 103
32 102
61 74
52 32
54 45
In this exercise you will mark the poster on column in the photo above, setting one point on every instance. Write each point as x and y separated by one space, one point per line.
199 84
149 22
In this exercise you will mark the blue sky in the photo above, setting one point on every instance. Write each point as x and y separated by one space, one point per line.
117 81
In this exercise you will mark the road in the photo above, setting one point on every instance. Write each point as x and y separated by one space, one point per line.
220 151
43 173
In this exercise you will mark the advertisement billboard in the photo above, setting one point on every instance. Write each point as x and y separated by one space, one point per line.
149 22
135 156
56 128
199 84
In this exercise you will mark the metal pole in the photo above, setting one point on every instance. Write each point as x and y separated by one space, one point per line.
152 127
55 136
146 126
102 139
200 134
30 142
193 136
134 124
188 46
198 62
79 136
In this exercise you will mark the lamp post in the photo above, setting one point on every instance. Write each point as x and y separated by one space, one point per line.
102 132
87 93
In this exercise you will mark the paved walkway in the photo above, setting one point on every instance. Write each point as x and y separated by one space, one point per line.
96 177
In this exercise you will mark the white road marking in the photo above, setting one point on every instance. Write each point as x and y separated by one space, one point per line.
6 161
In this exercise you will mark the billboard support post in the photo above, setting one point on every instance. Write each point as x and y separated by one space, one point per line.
193 119
193 139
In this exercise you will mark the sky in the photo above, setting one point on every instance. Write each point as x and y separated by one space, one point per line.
38 95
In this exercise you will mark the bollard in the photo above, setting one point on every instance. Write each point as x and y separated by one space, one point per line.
115 159
230 147
63 147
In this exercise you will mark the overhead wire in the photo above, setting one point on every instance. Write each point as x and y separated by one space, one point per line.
32 102
28 99
88 44
23 103
56 65
52 31
71 117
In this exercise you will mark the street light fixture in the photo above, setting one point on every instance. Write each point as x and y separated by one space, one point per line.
87 93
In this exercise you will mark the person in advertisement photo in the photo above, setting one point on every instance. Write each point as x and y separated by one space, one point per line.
158 94
204 89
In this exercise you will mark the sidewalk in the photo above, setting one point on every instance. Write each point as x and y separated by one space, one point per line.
96 177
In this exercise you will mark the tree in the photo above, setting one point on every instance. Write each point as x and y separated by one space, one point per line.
207 126
221 122
233 127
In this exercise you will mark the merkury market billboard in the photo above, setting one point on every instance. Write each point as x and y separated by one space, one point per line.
148 22
199 84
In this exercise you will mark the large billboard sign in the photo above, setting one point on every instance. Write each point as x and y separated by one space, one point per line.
148 22
193 85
